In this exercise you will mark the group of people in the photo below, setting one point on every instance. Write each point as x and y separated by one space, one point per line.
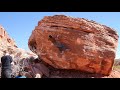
6 69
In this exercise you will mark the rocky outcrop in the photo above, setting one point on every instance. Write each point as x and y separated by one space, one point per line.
8 44
117 62
74 43
5 39
115 73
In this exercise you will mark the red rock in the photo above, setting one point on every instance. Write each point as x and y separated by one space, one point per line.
5 39
74 43
8 44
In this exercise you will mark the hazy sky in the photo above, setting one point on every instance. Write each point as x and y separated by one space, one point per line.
19 25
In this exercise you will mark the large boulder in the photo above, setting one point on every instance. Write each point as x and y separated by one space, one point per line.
74 43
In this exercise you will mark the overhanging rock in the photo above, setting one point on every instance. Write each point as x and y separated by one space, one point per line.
74 43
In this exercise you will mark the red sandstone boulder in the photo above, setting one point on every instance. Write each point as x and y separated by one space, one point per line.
74 43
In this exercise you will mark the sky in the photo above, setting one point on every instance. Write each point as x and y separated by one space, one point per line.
19 25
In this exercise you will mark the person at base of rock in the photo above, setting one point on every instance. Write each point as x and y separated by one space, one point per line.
40 68
28 72
6 61
20 75
37 72
38 76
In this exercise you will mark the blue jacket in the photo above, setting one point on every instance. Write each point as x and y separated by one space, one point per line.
20 77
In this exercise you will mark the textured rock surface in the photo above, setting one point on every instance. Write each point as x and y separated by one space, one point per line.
9 45
6 42
58 73
117 62
5 38
74 43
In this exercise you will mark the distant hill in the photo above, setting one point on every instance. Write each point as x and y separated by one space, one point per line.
117 62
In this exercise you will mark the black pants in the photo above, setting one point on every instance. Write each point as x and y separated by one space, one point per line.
6 74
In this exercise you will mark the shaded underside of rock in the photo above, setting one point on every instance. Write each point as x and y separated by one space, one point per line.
74 43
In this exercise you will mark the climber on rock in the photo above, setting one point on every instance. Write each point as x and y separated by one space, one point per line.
40 69
58 44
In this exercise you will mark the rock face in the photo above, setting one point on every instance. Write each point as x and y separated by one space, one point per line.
5 38
9 45
6 42
117 62
74 43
